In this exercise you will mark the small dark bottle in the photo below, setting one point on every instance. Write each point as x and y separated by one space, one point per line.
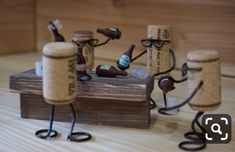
53 26
81 67
125 59
105 70
113 33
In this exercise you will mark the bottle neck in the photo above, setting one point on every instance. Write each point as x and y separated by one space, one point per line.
55 31
80 57
130 51
80 51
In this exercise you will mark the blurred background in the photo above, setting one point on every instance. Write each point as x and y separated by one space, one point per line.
200 24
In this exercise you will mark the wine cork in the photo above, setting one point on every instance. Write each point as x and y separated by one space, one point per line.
59 73
88 50
209 96
158 60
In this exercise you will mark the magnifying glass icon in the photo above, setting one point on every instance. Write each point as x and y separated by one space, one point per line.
216 128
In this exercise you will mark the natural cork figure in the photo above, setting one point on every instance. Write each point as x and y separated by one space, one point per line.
60 85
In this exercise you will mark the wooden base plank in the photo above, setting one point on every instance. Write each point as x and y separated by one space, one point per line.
120 101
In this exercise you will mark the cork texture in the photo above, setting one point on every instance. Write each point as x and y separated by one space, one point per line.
158 60
59 49
59 74
88 51
207 55
208 98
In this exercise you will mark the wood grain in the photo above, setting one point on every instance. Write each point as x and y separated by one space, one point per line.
89 111
201 24
121 101
122 88
17 26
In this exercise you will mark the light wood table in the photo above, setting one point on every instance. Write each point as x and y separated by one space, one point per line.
164 134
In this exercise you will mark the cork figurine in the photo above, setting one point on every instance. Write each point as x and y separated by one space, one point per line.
203 74
158 44
208 97
160 57
86 42
60 85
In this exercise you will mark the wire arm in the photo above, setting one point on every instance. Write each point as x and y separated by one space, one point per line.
139 55
103 43
185 102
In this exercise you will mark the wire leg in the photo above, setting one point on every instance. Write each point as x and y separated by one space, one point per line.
196 138
50 132
162 110
73 136
152 104
165 100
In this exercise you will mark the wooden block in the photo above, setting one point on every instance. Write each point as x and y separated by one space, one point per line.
121 101
17 26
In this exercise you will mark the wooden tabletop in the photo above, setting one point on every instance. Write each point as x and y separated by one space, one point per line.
164 134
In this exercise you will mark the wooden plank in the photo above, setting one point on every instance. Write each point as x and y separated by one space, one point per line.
202 24
120 88
120 101
90 111
17 26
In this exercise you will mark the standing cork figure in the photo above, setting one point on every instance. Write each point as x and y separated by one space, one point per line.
60 84
203 75
203 70
158 49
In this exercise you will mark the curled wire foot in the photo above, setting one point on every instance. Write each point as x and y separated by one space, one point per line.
76 136
163 112
50 134
195 143
200 145
196 139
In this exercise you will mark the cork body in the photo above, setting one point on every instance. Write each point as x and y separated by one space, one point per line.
88 50
59 73
209 96
158 60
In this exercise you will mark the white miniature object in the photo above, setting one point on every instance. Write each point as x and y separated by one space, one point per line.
140 73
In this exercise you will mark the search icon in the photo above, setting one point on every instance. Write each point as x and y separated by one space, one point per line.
216 128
